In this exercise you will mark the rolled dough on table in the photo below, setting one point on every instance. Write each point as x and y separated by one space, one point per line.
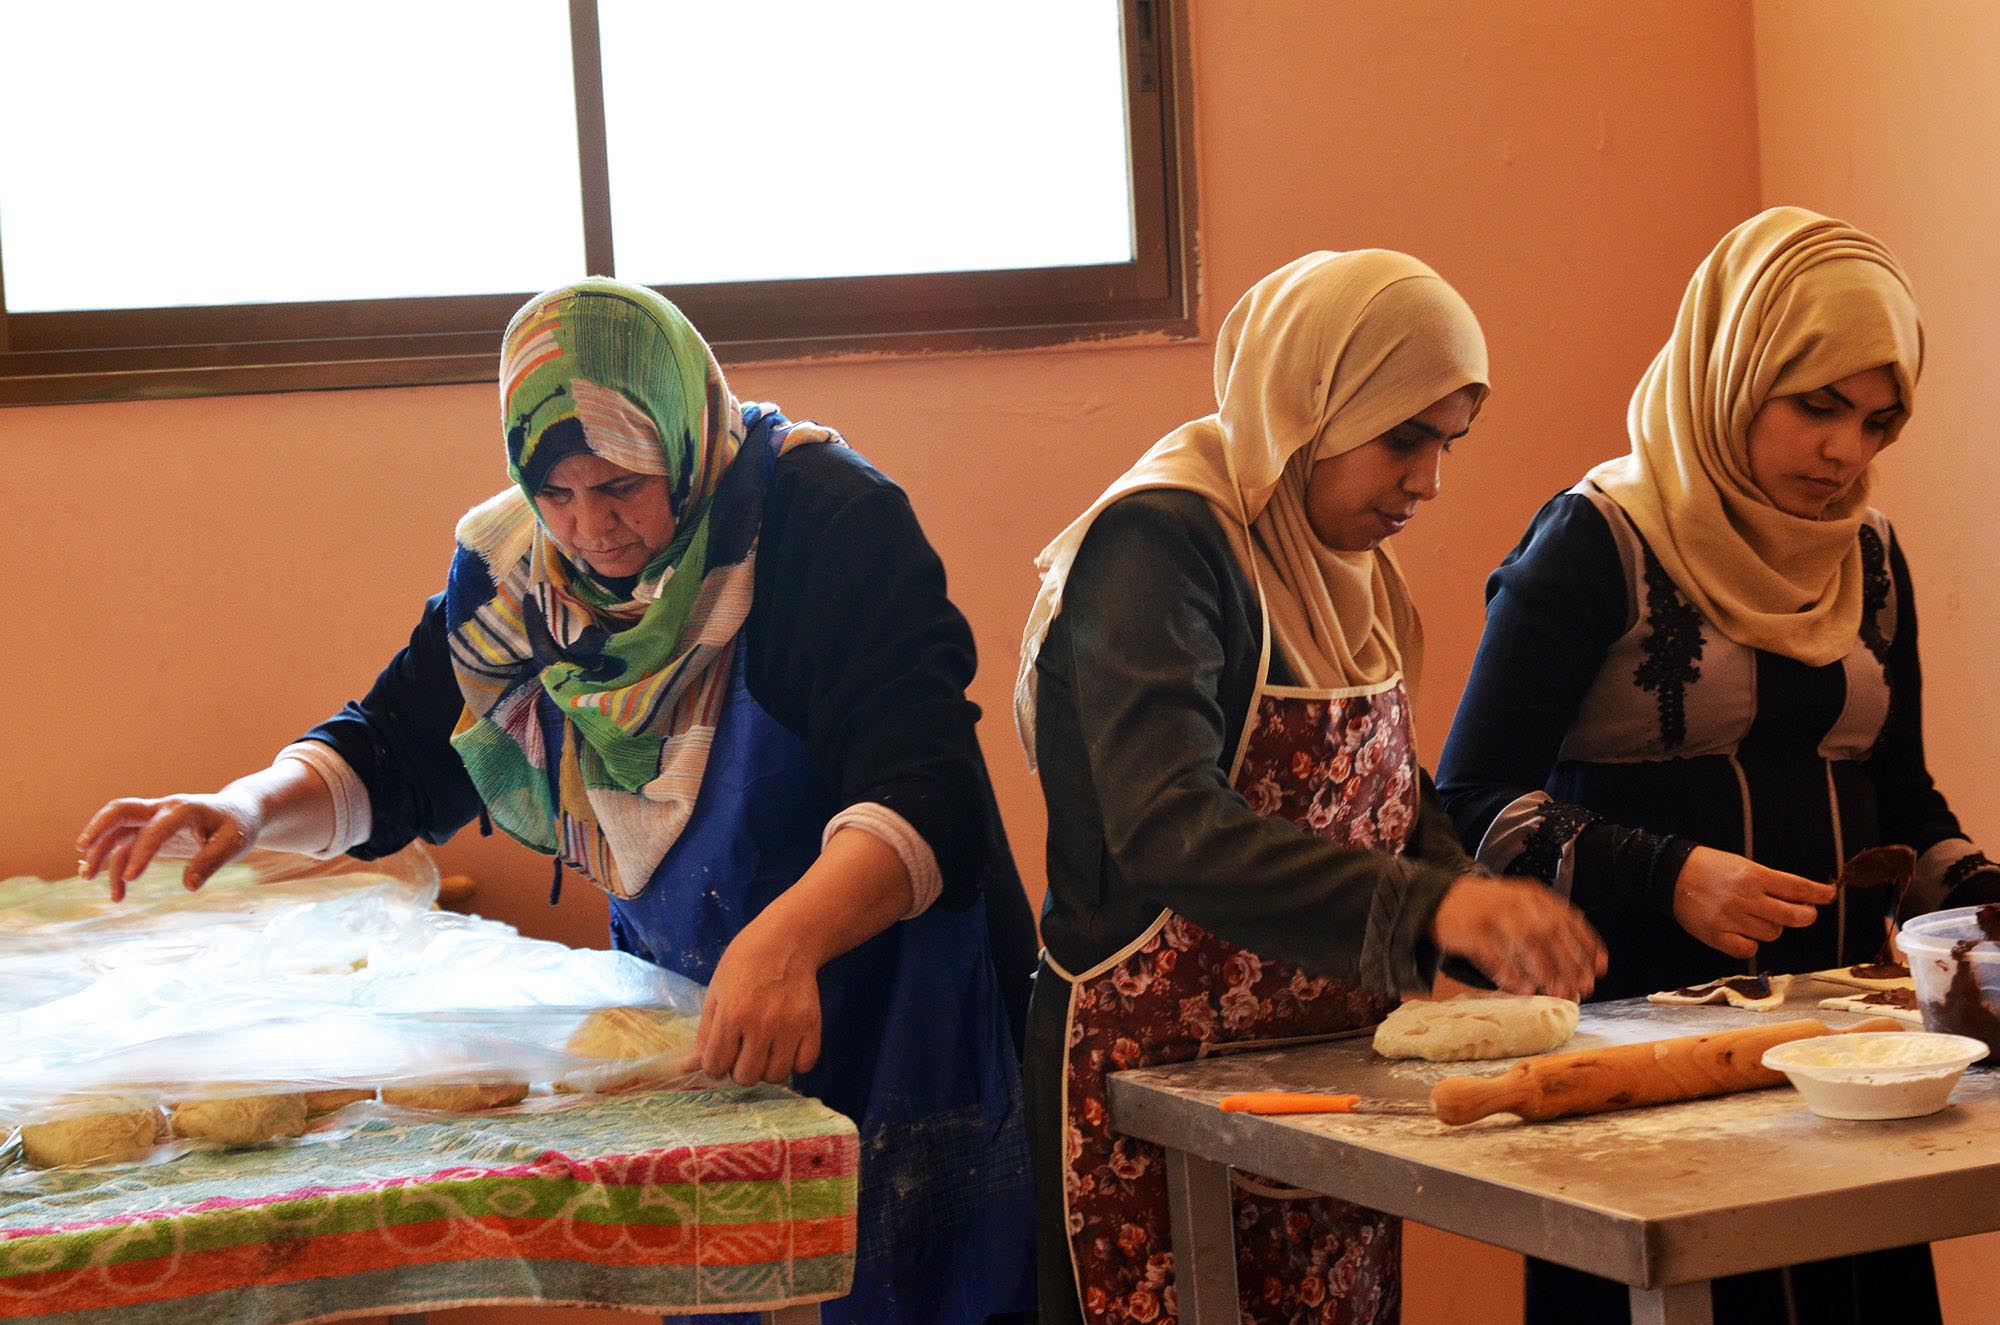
240 1120
92 1138
1894 975
1739 991
1898 1003
456 1097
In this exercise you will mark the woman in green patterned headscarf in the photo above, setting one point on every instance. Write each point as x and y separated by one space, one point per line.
603 576
703 656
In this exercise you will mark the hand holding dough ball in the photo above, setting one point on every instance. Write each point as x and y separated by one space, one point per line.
94 1138
1458 1029
469 1097
240 1120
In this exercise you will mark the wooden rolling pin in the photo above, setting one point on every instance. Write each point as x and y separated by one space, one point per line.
1626 1076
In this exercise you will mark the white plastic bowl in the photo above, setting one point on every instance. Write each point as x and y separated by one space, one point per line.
1890 1074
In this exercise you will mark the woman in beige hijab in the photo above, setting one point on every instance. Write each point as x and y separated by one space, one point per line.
1697 694
1215 683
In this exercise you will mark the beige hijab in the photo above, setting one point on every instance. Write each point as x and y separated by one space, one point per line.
1323 355
1788 302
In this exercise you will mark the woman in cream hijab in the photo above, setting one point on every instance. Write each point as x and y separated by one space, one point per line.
1697 695
1215 684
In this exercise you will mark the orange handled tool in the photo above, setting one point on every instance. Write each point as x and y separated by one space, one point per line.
1285 1101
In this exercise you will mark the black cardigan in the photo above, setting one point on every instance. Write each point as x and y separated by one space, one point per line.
1144 681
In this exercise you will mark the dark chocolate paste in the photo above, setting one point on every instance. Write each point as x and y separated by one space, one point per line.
1890 998
1880 971
1965 1010
1876 866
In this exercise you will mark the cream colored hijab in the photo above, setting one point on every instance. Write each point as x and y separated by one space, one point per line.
1788 302
1323 355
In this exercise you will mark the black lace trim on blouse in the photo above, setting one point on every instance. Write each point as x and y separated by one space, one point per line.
1541 855
1962 869
1673 650
1875 584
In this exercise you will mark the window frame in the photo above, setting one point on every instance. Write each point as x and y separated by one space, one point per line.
124 354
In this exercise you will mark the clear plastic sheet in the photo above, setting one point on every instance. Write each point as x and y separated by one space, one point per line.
285 976
59 936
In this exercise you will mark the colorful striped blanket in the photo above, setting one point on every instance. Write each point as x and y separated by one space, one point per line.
667 1201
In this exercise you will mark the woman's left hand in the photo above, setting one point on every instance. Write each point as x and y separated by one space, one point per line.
761 1018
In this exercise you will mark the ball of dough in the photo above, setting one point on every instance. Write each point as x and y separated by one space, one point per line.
326 1101
240 1120
654 1034
468 1097
1457 1029
632 1033
93 1138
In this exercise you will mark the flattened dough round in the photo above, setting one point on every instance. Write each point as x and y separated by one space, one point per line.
240 1120
1458 1029
326 1101
94 1138
466 1098
1757 993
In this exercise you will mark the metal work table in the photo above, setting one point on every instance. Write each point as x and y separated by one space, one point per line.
1662 1199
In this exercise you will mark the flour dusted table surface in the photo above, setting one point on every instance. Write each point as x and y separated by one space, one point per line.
664 1201
1662 1199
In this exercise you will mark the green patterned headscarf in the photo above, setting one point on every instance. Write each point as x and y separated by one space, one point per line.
614 370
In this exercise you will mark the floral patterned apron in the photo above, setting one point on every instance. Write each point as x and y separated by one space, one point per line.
1341 764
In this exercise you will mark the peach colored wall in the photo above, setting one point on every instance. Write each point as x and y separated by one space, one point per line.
1887 116
194 582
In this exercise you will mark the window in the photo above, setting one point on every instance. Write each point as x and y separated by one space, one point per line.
238 196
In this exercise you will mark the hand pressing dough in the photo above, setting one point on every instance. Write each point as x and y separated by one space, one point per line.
1898 1003
1758 993
240 1120
1457 1029
94 1138
1869 975
465 1098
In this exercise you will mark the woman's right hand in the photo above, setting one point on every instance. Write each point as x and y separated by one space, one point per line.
1733 904
124 836
1523 937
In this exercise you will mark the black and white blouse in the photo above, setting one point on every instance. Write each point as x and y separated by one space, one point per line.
1609 728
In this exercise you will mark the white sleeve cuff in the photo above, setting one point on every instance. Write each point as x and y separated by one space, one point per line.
353 818
895 832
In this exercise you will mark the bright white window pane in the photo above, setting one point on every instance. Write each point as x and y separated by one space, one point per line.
245 151
760 139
